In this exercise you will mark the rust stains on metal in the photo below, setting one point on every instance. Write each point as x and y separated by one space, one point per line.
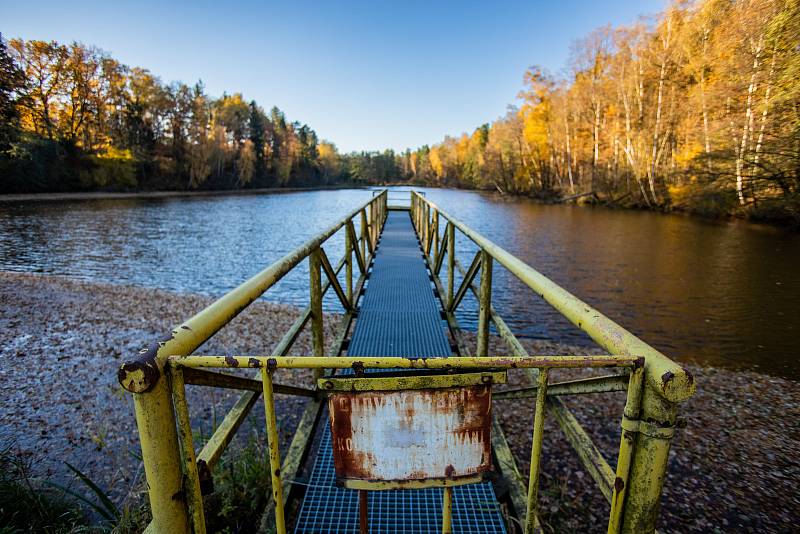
272 364
141 374
254 362
509 361
205 478
619 485
665 379
231 361
411 434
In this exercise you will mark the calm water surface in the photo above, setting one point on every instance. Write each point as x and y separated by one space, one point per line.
722 294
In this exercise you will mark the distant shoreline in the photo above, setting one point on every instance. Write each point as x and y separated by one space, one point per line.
100 195
8 198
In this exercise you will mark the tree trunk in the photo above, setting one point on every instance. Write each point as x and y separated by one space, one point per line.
595 136
706 141
662 75
747 125
766 108
569 153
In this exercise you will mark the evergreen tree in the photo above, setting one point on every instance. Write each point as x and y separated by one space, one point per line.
258 138
12 80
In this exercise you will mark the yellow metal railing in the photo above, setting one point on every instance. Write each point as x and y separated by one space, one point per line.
268 365
148 377
650 413
157 378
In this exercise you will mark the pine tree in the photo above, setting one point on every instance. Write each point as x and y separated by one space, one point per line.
12 80
258 138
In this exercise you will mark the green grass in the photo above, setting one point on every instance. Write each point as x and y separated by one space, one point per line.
241 488
31 504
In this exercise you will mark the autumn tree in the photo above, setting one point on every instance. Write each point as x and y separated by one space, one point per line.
695 109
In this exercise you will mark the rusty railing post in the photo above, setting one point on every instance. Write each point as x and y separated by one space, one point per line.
656 426
414 209
419 217
158 436
363 516
626 448
192 491
317 332
435 236
536 452
379 221
348 252
447 510
485 302
373 238
364 236
426 224
451 264
274 449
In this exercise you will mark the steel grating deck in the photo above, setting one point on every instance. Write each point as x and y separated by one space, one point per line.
399 316
327 508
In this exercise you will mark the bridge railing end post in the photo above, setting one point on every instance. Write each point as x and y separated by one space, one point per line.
158 436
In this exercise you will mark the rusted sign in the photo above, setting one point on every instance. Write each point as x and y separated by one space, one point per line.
412 435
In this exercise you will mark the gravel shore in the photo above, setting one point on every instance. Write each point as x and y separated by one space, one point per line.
61 343
735 468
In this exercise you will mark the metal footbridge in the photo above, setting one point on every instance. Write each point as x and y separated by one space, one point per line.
398 433
399 315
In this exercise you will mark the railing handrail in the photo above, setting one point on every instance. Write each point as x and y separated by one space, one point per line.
139 375
392 362
156 400
675 383
650 415
174 471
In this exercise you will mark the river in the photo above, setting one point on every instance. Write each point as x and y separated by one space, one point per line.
721 294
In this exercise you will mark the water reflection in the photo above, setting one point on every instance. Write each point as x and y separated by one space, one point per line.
723 294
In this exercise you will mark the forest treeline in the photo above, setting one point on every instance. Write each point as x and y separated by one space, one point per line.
74 118
695 109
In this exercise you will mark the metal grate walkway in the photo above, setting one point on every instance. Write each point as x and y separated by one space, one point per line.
399 316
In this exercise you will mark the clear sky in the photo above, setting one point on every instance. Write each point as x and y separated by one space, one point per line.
366 75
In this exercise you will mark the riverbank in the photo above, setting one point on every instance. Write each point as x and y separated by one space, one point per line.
61 342
735 467
767 213
765 217
106 195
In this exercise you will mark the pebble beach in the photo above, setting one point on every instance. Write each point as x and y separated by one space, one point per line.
734 468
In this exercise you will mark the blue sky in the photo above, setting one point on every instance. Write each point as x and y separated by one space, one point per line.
365 75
